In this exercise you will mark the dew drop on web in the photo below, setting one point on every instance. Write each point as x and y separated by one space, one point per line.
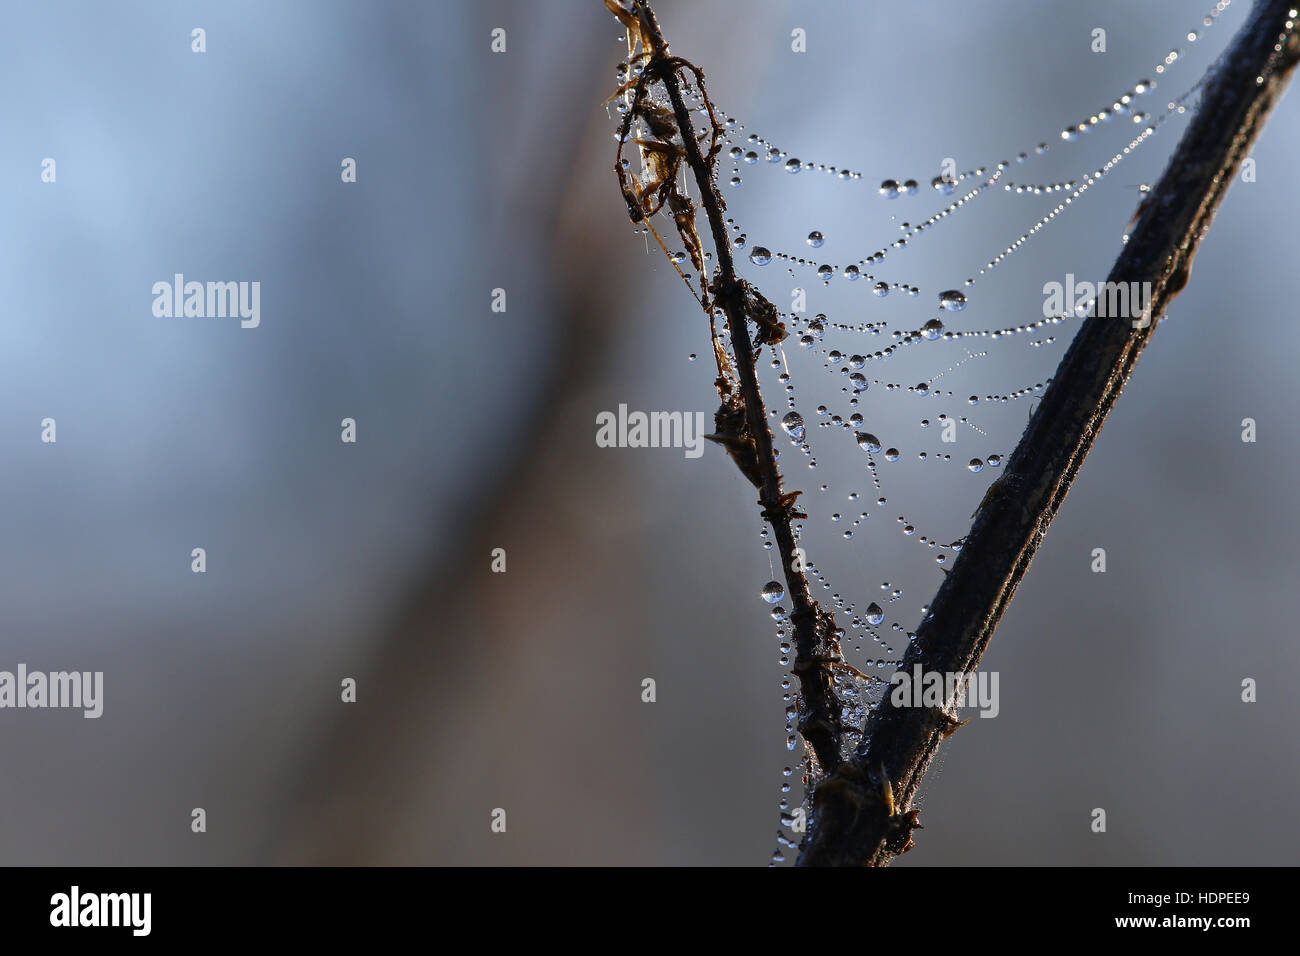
952 300
868 443
793 425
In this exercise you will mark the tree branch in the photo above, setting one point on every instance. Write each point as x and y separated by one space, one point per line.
742 420
859 812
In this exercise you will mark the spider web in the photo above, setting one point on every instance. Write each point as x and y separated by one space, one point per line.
899 391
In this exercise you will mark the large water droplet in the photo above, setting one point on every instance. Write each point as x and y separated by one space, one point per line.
889 189
815 239
760 256
952 300
868 442
793 425
976 465
932 329
875 614
793 166
772 592
858 381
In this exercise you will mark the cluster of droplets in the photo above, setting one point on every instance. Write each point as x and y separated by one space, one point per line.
756 148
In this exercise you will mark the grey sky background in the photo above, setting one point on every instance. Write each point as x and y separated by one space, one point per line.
476 430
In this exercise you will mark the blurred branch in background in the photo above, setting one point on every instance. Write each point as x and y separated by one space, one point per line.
390 761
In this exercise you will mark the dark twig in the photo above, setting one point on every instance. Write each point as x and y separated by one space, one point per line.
742 420
860 812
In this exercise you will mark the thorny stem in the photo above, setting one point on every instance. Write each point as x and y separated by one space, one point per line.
816 649
860 811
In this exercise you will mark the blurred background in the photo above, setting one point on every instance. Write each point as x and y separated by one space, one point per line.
475 430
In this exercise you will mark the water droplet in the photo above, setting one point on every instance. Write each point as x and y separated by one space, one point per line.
875 614
891 454
858 381
825 273
952 300
881 289
760 256
943 184
793 166
868 442
815 239
976 465
995 460
889 189
932 329
772 592
793 425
